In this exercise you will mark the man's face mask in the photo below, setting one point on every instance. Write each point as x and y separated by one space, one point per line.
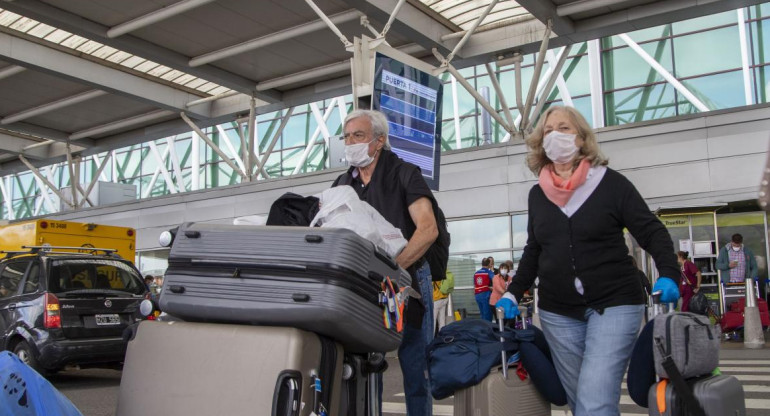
358 154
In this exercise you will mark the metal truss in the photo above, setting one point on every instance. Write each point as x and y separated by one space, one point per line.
249 163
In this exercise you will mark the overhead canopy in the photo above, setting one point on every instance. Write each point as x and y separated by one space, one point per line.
104 74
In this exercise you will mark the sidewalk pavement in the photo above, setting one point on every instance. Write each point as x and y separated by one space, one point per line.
733 350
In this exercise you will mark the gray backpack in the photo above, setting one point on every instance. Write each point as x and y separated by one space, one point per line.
690 339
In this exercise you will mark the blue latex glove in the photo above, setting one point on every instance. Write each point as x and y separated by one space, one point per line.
509 306
669 288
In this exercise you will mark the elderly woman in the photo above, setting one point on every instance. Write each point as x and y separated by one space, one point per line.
591 300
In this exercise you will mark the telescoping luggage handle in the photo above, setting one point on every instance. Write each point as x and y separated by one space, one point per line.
679 384
500 312
657 307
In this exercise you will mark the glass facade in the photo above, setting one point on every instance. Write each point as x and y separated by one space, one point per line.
502 237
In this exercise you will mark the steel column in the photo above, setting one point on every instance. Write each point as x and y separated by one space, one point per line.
744 57
171 142
162 166
329 23
560 84
277 135
392 18
595 82
251 142
484 103
211 144
45 180
517 59
7 197
44 194
555 75
195 156
535 77
229 145
500 95
321 121
154 178
456 110
95 179
469 33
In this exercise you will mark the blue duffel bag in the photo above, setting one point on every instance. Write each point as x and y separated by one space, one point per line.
27 393
464 352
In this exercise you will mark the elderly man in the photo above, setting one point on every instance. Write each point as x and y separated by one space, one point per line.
397 190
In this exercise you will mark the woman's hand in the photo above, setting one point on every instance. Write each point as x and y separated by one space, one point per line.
509 305
669 289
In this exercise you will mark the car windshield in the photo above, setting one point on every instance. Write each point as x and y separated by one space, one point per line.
76 274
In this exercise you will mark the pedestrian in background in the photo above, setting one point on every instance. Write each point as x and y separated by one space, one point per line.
691 278
500 284
736 262
482 288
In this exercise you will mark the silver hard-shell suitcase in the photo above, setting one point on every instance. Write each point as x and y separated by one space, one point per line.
323 280
719 395
501 393
189 368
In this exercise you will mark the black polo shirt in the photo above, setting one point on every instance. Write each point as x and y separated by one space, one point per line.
394 186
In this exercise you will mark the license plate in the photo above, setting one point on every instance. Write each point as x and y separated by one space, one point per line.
108 319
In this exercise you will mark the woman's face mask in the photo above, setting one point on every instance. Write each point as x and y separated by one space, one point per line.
503 272
560 147
358 154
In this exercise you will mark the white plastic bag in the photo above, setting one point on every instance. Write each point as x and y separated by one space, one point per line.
341 208
251 220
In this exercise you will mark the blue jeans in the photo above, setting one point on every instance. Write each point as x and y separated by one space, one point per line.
411 353
591 356
482 299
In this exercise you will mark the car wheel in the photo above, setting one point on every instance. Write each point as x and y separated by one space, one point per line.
27 356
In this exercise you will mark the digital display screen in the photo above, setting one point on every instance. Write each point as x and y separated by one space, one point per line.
411 101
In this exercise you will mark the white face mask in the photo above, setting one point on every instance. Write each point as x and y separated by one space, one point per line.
358 154
503 272
737 248
560 147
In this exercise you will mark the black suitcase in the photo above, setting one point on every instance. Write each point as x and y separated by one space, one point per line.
719 395
322 280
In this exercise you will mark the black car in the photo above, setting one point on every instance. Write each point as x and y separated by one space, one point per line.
59 308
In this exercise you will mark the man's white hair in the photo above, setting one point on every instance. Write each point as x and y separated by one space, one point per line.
376 119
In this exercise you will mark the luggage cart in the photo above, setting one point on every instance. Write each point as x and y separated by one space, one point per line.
731 292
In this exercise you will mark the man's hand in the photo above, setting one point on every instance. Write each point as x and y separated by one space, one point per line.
733 264
668 287
509 305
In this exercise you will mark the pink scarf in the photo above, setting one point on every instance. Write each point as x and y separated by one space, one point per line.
559 190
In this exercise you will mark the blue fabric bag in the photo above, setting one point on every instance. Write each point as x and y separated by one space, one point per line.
464 352
27 393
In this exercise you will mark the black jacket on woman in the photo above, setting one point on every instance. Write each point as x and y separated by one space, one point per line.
590 245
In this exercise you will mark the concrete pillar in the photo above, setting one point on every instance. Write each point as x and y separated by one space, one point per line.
752 325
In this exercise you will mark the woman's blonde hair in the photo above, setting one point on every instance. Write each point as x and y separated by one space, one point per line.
537 160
